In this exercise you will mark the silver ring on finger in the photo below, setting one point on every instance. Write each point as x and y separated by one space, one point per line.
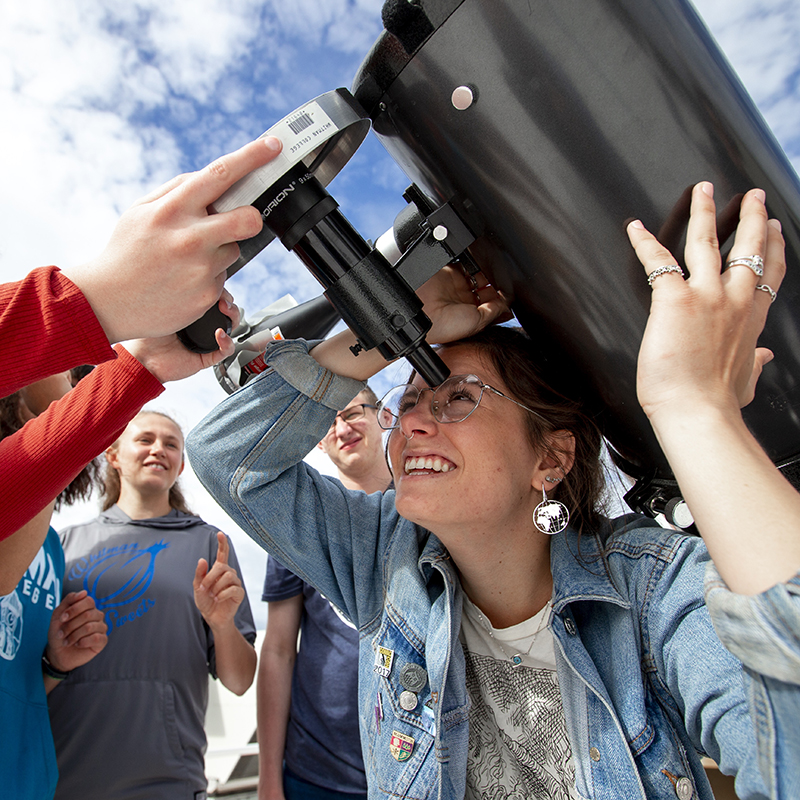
762 287
755 263
665 270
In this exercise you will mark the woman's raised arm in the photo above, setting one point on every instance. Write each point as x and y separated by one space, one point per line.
698 365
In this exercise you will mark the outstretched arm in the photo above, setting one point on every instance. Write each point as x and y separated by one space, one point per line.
698 366
162 269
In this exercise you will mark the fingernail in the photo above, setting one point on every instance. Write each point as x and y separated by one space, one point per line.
759 194
776 223
637 223
273 143
707 188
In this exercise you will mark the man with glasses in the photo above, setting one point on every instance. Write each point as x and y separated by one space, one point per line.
309 743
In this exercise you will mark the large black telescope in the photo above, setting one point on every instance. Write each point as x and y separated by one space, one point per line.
532 132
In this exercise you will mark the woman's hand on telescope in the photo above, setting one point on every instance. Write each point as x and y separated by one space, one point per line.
698 365
700 341
456 305
460 306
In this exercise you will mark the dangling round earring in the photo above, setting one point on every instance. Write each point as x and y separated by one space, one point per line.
550 516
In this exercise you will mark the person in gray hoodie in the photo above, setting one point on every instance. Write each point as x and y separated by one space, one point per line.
132 725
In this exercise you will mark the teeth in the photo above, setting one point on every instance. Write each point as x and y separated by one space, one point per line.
435 464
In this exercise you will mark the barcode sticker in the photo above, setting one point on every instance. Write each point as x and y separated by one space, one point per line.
301 132
300 123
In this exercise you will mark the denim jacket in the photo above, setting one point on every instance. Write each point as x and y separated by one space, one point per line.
645 681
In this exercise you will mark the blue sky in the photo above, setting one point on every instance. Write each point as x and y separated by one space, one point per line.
103 101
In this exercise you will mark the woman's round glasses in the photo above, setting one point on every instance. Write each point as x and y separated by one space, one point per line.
451 401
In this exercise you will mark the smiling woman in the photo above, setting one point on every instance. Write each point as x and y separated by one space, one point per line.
147 459
171 619
545 660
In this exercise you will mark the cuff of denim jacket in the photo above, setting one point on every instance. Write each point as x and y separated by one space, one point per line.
762 631
291 359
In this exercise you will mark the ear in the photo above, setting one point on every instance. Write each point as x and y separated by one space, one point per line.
557 460
384 415
111 457
321 446
183 464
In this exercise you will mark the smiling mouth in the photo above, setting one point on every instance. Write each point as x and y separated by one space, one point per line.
423 465
155 465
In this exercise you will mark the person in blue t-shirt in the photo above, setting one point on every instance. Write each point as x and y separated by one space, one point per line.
309 744
43 636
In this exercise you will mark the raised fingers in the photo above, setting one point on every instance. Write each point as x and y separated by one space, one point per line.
702 246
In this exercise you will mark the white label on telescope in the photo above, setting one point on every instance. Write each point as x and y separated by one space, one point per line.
301 132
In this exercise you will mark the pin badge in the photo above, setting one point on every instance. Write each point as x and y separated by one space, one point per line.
378 713
408 700
401 746
413 677
383 661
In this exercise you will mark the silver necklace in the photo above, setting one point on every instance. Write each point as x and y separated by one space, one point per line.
517 658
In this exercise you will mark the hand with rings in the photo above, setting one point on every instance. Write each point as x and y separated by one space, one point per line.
699 345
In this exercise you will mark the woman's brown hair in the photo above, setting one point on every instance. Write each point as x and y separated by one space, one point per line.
109 492
512 355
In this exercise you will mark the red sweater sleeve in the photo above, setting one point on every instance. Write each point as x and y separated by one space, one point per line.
46 326
39 461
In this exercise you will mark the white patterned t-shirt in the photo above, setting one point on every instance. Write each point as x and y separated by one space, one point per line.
518 743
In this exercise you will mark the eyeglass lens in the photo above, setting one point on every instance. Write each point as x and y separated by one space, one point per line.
350 415
452 401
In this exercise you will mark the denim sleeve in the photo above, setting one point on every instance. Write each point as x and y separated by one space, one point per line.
709 686
700 682
763 631
248 453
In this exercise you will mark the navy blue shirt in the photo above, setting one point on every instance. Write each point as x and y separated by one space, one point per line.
323 745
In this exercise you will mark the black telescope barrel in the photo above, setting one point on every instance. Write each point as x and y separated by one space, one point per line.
559 122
